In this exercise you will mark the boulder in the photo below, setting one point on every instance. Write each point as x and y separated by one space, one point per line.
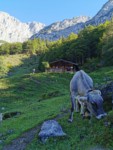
50 128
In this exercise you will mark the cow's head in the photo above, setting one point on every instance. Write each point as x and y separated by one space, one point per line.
95 104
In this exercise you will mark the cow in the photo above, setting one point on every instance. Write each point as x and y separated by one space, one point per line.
81 90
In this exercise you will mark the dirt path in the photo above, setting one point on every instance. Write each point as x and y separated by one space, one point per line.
26 138
21 142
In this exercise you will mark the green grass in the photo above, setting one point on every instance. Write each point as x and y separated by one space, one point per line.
36 102
81 135
102 74
43 96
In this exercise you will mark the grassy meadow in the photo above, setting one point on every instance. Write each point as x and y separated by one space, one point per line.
42 96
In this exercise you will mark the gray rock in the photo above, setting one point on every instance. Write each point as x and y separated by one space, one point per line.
1 135
62 28
107 89
13 30
10 131
1 141
50 128
3 108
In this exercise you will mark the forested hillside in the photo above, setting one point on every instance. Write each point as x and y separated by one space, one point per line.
92 45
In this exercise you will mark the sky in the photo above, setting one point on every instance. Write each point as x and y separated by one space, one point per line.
49 11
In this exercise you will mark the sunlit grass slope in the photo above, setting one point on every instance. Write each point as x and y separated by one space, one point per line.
37 97
42 96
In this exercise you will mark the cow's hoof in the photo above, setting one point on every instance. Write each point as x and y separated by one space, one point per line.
70 120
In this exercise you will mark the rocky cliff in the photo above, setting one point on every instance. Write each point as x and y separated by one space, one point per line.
62 28
12 30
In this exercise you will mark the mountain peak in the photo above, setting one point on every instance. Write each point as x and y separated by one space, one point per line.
60 28
4 13
13 30
106 13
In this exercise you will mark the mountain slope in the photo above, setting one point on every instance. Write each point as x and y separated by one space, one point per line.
51 33
63 28
106 13
12 30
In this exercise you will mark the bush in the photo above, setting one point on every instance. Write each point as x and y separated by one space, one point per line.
92 64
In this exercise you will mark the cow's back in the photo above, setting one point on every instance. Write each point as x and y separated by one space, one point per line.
81 83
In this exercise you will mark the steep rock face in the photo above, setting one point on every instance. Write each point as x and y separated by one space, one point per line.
106 13
61 25
12 30
63 28
55 35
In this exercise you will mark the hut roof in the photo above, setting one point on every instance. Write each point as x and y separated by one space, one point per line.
62 61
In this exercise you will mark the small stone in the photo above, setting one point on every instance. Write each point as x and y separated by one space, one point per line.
1 134
107 123
1 141
10 131
3 108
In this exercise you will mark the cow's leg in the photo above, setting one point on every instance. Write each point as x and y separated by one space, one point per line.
77 101
72 107
91 118
82 111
